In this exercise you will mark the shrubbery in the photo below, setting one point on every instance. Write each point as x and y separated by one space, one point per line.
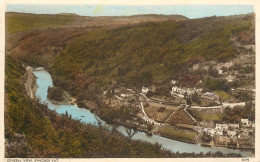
55 93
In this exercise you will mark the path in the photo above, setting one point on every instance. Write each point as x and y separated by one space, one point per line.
172 113
190 115
234 104
146 118
29 81
200 132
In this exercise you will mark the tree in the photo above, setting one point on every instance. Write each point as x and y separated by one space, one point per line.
131 132
185 95
205 137
195 97
188 101
55 93
213 72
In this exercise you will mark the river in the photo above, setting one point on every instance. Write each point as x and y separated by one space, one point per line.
44 80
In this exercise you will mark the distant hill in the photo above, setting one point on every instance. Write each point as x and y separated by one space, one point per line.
17 22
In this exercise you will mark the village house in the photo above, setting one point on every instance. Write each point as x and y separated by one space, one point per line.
231 133
173 82
230 78
221 126
253 125
244 121
179 91
219 132
216 132
233 125
145 90
243 136
208 130
123 95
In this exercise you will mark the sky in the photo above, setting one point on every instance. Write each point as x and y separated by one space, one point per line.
190 11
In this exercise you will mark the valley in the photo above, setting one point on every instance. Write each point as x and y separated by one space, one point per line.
190 80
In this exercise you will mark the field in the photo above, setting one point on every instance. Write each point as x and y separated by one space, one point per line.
180 134
222 94
158 112
207 114
180 117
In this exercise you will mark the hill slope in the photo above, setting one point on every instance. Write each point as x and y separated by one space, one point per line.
138 55
18 22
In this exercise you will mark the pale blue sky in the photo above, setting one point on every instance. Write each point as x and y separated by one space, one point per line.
190 11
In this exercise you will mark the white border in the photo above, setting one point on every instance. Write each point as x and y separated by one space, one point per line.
256 4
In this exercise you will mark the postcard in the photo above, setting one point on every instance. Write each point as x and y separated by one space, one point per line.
140 80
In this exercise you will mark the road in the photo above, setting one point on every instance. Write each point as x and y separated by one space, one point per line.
146 118
172 114
29 82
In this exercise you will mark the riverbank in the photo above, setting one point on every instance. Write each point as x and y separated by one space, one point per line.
30 82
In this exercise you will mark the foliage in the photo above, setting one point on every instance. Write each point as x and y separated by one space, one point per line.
205 137
55 93
40 132
143 53
217 84
32 130
180 134
222 94
195 97
238 112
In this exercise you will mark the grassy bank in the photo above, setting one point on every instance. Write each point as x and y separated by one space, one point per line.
207 114
222 94
178 134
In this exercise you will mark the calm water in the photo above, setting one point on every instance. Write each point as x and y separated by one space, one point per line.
44 81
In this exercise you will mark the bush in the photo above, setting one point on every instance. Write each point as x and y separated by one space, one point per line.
206 138
55 93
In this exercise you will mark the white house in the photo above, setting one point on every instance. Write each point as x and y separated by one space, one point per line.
253 125
173 82
244 121
123 95
145 90
230 78
208 130
217 132
221 126
181 91
233 125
